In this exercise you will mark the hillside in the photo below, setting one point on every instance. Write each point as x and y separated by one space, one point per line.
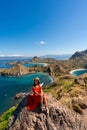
79 54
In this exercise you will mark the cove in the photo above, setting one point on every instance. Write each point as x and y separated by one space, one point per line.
78 72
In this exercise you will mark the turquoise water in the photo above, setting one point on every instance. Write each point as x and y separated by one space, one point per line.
34 64
79 72
9 86
4 63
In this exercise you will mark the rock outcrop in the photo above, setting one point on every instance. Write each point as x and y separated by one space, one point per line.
19 95
36 59
1 70
80 81
57 69
60 118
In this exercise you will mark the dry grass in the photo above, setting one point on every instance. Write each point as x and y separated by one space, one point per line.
65 90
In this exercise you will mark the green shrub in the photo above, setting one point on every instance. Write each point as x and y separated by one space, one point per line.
4 119
4 125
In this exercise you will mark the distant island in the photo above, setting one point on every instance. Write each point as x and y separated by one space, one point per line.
17 70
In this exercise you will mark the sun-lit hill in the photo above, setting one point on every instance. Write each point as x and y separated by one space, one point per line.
17 70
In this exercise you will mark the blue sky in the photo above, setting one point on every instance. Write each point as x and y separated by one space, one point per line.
39 27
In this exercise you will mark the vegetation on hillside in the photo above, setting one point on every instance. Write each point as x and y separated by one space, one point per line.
4 119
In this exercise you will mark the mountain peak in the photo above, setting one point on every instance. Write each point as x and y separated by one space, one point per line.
79 54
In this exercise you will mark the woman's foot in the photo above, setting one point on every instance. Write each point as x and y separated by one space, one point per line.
47 111
43 109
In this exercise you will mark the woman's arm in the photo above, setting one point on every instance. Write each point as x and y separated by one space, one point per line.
41 91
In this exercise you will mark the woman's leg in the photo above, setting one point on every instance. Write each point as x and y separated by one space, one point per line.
41 100
45 101
46 105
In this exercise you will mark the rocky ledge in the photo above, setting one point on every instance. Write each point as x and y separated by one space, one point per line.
60 118
19 95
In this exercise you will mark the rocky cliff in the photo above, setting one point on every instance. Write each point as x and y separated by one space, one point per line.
60 118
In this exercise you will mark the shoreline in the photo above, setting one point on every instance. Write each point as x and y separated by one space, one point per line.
52 79
44 64
72 71
36 63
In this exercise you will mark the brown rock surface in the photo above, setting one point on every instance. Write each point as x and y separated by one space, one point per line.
60 118
1 70
36 59
80 81
19 95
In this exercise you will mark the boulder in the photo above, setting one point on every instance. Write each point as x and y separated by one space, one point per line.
19 95
80 81
35 59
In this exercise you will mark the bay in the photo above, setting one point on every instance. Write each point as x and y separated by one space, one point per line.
78 72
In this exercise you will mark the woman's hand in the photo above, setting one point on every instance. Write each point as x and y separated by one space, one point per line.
38 93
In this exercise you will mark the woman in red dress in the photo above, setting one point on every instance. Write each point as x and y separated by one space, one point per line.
38 97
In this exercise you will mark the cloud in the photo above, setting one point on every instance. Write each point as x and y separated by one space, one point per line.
43 42
12 55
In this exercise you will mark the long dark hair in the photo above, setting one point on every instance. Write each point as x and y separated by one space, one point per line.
35 83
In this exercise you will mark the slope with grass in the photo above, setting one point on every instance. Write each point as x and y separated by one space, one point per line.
5 118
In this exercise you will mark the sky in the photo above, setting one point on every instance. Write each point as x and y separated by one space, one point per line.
40 27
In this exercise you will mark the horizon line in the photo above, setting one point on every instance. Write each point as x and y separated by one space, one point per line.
19 55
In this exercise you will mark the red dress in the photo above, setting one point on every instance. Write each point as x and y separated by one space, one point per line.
35 99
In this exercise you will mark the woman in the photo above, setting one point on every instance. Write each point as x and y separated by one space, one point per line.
38 97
